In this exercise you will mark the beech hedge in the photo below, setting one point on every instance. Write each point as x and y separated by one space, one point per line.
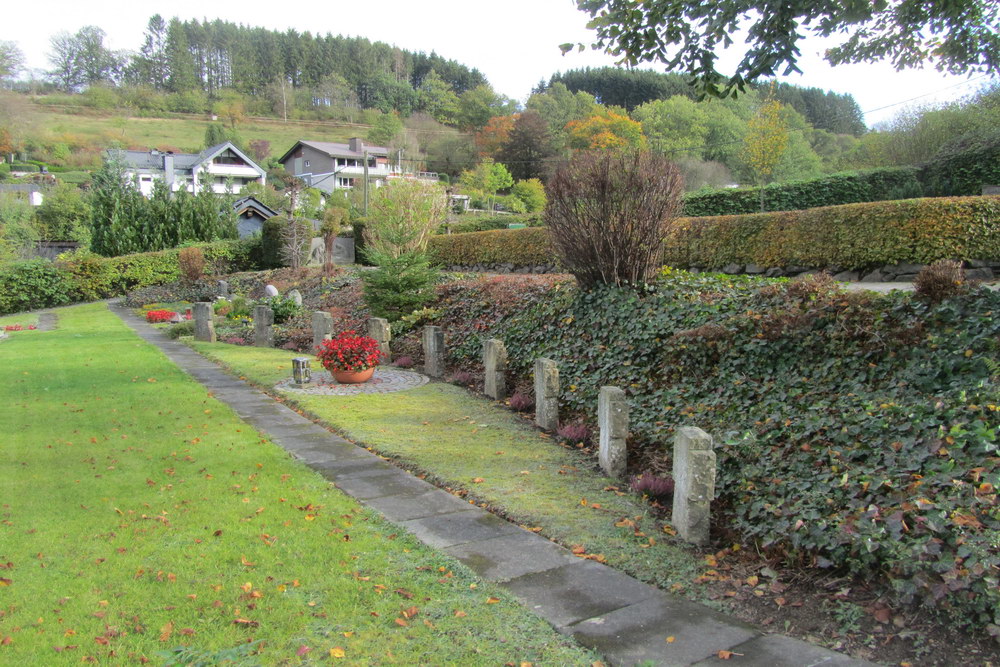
852 236
39 283
849 187
521 247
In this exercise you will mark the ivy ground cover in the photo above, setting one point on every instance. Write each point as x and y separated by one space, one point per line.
140 521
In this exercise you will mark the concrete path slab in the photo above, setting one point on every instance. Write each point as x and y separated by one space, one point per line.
604 609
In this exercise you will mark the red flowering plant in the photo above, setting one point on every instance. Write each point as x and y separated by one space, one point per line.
349 352
156 316
19 327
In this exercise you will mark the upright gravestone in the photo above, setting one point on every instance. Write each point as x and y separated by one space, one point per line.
612 418
295 296
204 328
433 339
694 483
378 328
546 394
495 361
322 322
263 321
223 289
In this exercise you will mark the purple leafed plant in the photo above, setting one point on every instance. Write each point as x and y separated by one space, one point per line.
657 488
522 402
463 378
574 433
403 362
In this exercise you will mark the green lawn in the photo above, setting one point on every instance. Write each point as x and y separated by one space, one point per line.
471 444
22 319
140 515
187 134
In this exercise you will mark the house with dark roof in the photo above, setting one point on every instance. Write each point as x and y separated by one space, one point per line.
220 166
330 166
251 215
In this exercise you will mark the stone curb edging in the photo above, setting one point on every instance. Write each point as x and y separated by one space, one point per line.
625 620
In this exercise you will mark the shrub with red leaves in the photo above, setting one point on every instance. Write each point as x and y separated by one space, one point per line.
657 488
463 378
522 402
403 362
574 433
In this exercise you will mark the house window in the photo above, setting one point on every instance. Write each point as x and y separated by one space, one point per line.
307 163
345 182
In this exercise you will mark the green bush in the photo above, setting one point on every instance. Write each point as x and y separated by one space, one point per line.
283 307
848 187
521 247
84 276
399 286
963 166
33 284
853 236
483 223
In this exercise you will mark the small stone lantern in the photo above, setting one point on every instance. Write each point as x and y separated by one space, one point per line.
301 374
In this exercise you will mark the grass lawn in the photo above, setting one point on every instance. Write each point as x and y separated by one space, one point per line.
468 443
139 515
24 319
187 134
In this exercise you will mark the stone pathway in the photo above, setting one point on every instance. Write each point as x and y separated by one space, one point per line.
385 380
46 321
622 618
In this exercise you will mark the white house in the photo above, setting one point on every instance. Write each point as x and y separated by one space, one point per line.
330 166
221 166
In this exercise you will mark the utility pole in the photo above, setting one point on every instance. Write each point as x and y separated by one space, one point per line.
366 182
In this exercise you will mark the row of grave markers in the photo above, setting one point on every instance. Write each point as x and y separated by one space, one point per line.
694 462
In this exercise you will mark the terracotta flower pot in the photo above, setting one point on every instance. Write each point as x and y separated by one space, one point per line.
352 377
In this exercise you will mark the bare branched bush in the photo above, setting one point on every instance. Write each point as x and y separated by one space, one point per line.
192 263
296 236
941 280
608 213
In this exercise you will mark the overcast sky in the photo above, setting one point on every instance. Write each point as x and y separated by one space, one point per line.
514 43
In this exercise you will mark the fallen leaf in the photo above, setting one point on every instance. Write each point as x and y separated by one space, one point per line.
478 480
458 614
410 612
337 652
166 631
725 655
6 582
401 622
671 639
246 623
302 650
492 600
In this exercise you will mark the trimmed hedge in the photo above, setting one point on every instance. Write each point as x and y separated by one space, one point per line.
853 236
87 277
521 247
849 187
482 223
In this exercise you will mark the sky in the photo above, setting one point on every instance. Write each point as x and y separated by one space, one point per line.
514 43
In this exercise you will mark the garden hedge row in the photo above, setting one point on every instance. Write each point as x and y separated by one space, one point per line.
521 247
852 236
849 187
40 283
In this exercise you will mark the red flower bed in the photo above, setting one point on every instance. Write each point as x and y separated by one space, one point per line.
18 327
156 316
349 352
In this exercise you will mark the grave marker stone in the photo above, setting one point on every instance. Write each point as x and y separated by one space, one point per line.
433 340
322 324
612 418
378 328
546 394
495 361
263 333
694 483
204 328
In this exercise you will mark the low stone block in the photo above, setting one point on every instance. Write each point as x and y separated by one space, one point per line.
433 342
204 328
612 419
295 296
546 394
263 323
322 326
378 328
694 484
495 361
222 289
270 290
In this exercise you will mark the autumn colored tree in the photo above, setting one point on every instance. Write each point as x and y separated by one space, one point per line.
765 143
607 129
529 148
494 135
